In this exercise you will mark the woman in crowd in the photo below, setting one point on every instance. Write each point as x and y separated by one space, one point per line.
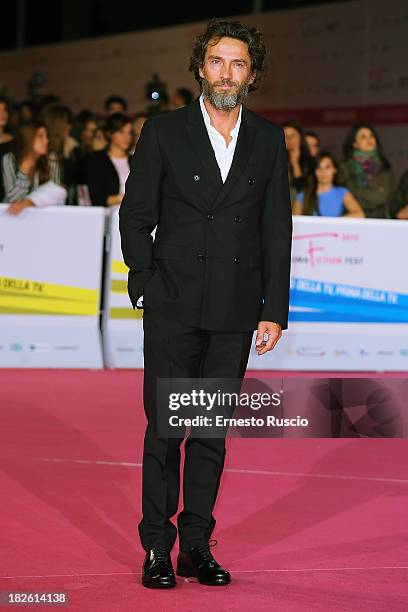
106 171
323 195
300 162
28 166
398 206
366 171
89 131
6 139
99 141
83 130
313 142
58 120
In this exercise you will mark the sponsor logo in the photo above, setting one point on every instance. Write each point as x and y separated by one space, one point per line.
40 347
15 346
66 347
311 351
318 252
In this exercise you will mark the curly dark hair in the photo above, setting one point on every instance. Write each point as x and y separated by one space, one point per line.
216 30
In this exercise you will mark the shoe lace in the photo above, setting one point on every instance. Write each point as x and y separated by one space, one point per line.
205 552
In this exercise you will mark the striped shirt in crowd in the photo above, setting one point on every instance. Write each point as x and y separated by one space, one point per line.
17 184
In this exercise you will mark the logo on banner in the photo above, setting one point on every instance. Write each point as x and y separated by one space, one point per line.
311 351
318 251
16 347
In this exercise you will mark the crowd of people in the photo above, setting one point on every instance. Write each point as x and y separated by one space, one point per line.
360 185
50 156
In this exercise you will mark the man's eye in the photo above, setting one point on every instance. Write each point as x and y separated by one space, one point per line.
214 61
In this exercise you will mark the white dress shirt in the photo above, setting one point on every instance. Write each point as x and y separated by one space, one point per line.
223 153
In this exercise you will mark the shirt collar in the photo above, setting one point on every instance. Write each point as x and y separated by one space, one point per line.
207 118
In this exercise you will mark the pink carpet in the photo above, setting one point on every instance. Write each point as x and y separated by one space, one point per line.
303 524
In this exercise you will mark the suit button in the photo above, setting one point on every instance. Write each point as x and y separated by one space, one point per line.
196 177
251 180
238 219
210 216
200 257
236 259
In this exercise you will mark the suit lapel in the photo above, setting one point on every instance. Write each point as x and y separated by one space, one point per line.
202 143
243 149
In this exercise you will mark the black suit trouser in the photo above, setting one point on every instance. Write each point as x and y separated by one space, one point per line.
175 350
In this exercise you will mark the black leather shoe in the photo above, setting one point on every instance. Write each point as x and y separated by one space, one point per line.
199 562
158 570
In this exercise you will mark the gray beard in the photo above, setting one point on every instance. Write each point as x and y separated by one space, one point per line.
224 100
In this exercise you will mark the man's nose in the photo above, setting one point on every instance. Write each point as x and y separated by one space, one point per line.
226 71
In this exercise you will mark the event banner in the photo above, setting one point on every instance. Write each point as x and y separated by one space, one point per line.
348 302
50 284
349 298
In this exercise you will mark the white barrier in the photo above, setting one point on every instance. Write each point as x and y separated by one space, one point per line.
349 295
122 326
349 300
50 280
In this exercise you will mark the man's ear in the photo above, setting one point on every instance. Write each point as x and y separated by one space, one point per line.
200 72
253 77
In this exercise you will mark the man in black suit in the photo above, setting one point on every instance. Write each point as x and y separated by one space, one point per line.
213 177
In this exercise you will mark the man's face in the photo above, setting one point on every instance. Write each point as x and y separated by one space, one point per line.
226 73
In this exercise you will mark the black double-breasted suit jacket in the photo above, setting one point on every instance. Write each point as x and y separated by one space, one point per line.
221 255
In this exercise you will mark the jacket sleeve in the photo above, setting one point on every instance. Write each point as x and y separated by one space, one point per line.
139 210
16 183
276 240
